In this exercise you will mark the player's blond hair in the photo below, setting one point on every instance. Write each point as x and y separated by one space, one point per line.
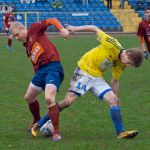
136 56
16 25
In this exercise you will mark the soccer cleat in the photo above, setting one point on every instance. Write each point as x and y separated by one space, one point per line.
56 137
128 134
35 129
30 126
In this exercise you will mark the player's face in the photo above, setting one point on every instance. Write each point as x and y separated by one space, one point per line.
9 9
125 59
147 15
19 34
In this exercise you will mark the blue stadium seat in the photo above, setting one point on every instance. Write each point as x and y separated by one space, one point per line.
97 13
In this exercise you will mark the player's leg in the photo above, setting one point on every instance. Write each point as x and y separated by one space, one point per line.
54 79
35 87
33 103
53 111
102 90
115 111
116 116
67 101
9 42
51 76
43 120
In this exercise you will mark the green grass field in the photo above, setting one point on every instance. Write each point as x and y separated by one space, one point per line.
86 125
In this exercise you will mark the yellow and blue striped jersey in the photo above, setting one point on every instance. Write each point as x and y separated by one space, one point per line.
104 56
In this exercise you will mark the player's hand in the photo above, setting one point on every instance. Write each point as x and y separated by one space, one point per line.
146 54
6 29
64 33
70 28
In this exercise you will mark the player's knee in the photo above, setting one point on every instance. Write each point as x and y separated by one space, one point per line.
113 101
50 101
10 37
27 98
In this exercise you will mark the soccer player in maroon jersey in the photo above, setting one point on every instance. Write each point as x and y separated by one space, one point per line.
144 32
46 62
7 20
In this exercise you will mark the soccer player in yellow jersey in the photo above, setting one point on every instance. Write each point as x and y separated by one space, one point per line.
88 75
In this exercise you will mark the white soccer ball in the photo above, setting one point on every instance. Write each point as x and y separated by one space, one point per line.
47 129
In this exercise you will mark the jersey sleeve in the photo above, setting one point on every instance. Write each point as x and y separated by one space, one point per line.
5 18
140 30
108 41
117 71
54 22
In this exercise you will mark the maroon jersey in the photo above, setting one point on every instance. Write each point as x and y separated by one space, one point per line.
38 47
144 31
8 19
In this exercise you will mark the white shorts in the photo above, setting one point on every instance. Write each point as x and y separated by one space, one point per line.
83 82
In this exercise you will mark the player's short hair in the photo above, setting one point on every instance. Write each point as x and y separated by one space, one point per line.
147 8
136 56
16 25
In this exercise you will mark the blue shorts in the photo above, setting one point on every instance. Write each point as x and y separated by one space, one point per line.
8 32
51 73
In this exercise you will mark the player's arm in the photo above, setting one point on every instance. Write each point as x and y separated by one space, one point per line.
4 23
116 73
142 44
115 85
102 37
54 22
90 28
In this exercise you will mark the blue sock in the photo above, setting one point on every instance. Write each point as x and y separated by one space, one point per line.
43 120
116 117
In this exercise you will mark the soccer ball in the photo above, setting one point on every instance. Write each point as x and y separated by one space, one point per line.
47 129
